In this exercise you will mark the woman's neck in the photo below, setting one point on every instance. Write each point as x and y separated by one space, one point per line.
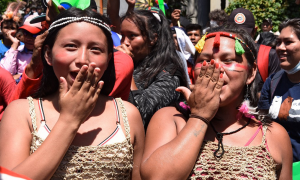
294 78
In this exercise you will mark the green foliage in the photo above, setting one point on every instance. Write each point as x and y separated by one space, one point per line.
277 10
3 5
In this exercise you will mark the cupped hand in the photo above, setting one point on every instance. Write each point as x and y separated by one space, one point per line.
204 100
79 101
15 41
175 15
123 48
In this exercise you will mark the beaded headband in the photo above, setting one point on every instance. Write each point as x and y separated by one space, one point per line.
238 47
68 20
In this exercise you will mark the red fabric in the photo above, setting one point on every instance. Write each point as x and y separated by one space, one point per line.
263 61
7 85
191 72
124 70
6 174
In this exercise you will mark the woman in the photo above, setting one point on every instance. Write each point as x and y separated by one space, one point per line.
280 93
158 70
82 133
209 142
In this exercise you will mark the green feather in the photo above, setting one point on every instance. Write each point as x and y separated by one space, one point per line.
239 48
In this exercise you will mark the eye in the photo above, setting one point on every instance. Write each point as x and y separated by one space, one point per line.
96 50
228 61
70 46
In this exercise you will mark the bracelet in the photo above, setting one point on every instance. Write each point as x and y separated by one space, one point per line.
200 117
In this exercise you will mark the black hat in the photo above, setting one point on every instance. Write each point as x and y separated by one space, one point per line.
243 18
268 20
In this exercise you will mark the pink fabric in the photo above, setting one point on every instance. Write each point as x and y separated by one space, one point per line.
7 86
15 61
254 135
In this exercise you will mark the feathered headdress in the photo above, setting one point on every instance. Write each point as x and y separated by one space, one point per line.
12 10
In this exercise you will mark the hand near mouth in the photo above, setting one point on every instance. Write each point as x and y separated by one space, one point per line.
80 100
204 100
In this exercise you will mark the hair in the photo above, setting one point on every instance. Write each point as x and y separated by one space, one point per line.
50 83
10 23
293 23
192 27
218 15
162 53
268 39
243 35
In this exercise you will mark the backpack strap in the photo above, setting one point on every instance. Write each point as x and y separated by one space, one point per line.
274 81
263 61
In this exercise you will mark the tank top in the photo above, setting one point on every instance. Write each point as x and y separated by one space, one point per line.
250 162
109 161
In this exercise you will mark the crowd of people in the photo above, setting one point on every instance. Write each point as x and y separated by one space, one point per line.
86 96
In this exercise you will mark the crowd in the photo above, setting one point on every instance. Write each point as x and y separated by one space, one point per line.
85 96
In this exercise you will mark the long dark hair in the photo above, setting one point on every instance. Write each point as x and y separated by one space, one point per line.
162 53
50 82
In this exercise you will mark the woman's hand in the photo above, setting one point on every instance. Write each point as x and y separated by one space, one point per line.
80 100
204 100
123 48
15 41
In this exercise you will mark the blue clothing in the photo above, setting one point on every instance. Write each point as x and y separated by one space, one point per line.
284 108
3 50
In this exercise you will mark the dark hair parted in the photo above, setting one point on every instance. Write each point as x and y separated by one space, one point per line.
10 24
243 35
193 27
50 83
293 23
162 53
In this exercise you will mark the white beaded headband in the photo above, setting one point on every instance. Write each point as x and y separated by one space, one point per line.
68 20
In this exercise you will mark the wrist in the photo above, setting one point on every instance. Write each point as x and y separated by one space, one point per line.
206 121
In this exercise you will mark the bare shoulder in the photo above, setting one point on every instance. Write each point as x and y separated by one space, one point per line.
276 132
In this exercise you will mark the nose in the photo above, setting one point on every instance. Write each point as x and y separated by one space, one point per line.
125 40
221 65
280 46
82 57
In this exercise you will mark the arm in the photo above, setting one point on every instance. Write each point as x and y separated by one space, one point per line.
15 145
174 148
281 150
137 137
265 100
113 7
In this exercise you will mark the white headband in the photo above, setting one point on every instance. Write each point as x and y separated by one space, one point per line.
68 20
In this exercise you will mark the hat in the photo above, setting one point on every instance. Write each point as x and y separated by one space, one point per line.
268 20
243 18
32 28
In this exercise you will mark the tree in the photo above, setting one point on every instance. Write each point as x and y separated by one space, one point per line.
3 5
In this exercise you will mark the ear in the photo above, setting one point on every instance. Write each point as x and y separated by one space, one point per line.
48 55
252 74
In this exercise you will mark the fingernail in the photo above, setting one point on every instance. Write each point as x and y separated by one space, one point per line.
177 90
221 75
212 62
217 65
204 63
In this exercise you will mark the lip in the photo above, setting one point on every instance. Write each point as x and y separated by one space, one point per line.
73 74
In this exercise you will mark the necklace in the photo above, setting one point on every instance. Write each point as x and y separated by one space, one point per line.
220 138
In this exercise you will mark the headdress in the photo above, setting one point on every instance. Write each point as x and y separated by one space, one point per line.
238 47
12 11
68 20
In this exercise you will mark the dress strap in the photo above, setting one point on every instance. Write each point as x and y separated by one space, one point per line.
125 120
254 135
117 111
32 113
264 131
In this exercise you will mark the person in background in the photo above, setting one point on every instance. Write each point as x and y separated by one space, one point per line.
17 57
217 18
267 59
280 96
268 39
39 10
266 26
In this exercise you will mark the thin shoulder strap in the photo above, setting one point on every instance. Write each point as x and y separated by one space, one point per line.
117 111
124 117
264 141
32 113
254 135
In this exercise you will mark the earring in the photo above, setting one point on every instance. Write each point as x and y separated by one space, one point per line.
247 95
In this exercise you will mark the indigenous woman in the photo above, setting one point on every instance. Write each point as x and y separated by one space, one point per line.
158 70
73 130
218 136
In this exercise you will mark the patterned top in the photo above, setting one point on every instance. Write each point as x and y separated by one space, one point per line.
253 162
113 161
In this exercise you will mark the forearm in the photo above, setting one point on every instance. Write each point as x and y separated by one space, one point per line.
34 69
176 158
113 7
9 62
44 161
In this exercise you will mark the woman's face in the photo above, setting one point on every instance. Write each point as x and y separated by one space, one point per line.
288 48
76 45
134 40
236 73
